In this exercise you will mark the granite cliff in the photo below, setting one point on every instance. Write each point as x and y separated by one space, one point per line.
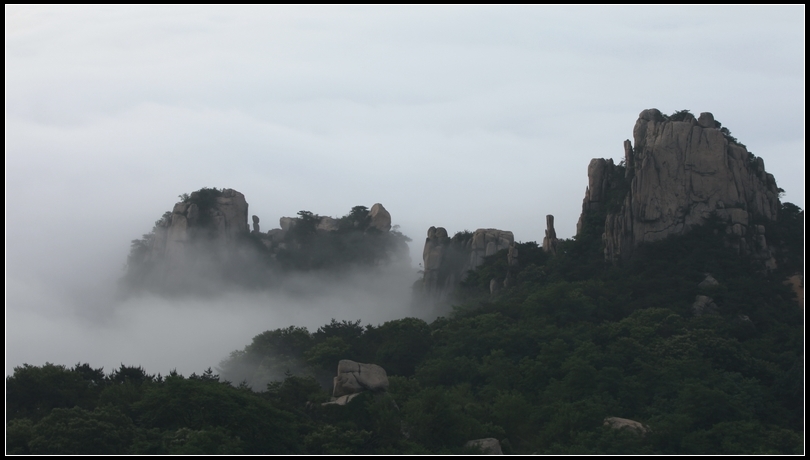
678 172
447 260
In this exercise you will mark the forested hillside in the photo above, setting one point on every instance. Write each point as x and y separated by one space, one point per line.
538 366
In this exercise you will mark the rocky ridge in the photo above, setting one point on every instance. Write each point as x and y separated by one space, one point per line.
205 240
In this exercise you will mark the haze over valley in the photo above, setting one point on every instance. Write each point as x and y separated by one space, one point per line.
456 118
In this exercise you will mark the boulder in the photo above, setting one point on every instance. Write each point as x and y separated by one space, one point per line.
380 218
353 377
618 423
708 281
327 224
704 305
256 228
488 446
706 120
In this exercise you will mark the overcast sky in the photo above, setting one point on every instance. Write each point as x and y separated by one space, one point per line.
461 117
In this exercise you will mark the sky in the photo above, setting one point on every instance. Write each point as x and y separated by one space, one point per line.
460 117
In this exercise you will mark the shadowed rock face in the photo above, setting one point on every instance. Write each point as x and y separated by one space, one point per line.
447 260
224 218
618 423
550 241
488 446
380 218
353 377
680 173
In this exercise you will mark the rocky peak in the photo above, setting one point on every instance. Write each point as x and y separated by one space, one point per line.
217 214
677 173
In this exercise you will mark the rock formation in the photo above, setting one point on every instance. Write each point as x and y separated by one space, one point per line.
447 260
550 240
709 281
488 446
218 215
353 378
440 260
205 243
704 305
486 242
677 174
380 218
618 423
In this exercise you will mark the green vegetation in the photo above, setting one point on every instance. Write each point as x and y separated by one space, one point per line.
354 243
539 367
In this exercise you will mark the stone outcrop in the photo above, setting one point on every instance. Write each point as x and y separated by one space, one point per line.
488 446
353 378
447 260
327 224
704 305
676 175
618 423
205 243
550 241
486 242
380 218
709 281
222 219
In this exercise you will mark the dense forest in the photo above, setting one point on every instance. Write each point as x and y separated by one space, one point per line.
538 366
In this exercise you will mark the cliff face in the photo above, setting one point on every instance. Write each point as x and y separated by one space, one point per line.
220 216
676 175
447 260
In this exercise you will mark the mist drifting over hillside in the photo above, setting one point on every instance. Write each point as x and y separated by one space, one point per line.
460 118
192 333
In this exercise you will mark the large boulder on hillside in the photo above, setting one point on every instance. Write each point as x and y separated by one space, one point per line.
353 377
618 423
488 446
